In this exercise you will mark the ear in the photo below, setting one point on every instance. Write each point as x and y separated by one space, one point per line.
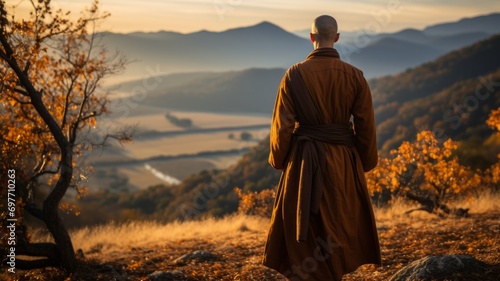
337 37
311 36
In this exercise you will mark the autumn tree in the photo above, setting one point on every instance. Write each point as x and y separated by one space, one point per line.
51 68
427 172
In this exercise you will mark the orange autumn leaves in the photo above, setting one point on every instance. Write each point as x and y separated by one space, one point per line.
494 171
494 119
255 203
431 169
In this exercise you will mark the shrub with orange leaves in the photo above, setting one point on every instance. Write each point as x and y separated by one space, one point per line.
256 203
424 171
494 119
381 181
493 173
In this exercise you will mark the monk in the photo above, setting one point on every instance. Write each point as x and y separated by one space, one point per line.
322 225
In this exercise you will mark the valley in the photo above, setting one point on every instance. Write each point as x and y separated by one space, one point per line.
161 150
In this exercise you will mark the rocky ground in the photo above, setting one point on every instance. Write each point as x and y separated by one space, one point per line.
235 254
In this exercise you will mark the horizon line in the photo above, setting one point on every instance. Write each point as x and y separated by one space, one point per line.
290 31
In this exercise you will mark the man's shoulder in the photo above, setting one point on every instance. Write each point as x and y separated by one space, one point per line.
336 63
352 68
292 68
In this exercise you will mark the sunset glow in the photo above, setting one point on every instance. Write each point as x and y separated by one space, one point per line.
218 15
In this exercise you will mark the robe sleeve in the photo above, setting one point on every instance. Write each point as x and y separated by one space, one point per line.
364 125
282 125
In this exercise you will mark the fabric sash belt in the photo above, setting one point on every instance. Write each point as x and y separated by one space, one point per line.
311 140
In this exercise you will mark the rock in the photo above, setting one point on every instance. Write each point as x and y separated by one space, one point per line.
382 228
163 276
79 254
199 256
112 273
438 267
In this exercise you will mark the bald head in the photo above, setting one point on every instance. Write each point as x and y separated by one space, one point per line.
324 31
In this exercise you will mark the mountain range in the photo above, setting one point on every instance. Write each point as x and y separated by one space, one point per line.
267 45
254 89
389 53
441 95
263 45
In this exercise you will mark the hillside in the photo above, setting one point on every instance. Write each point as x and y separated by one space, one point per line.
375 60
452 95
252 90
235 245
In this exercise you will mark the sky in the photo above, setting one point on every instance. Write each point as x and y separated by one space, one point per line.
188 16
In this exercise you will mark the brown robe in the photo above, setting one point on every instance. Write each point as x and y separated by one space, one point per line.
322 225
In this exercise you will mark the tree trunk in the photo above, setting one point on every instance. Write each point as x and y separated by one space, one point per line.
426 203
434 207
59 254
66 255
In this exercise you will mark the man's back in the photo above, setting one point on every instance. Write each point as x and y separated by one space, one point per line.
342 92
334 84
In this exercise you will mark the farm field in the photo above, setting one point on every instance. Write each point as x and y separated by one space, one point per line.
160 150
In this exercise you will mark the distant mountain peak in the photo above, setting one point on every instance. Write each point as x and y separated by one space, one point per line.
264 28
487 23
410 30
264 25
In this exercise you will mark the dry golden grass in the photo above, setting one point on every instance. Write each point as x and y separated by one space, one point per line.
151 234
133 250
484 202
